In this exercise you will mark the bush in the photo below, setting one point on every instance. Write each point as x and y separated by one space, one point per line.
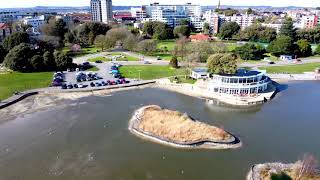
18 58
49 61
174 62
228 30
250 52
147 46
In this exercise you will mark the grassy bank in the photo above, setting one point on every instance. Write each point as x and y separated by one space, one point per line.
84 51
292 69
103 59
148 72
15 81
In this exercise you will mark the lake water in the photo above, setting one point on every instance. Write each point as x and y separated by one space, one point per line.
89 139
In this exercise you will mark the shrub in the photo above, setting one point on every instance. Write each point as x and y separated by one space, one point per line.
174 62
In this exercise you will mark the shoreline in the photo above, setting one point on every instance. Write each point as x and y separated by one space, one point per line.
205 144
255 170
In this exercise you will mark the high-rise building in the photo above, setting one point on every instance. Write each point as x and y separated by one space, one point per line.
101 10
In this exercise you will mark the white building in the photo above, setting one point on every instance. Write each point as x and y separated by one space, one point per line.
277 27
173 14
199 73
101 10
244 21
35 22
212 18
168 16
242 83
139 13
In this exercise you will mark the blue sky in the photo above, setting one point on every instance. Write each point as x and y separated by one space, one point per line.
32 3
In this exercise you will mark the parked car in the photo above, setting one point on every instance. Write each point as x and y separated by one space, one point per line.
86 64
146 62
113 83
117 75
70 86
98 84
64 86
98 61
272 62
92 84
103 83
159 58
76 86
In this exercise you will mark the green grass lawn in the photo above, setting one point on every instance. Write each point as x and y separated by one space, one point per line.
126 57
184 80
84 51
166 43
148 72
293 69
101 58
93 68
163 56
15 81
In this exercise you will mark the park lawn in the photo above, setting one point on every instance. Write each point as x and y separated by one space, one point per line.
101 58
293 69
84 51
126 57
93 68
163 56
184 79
166 43
148 72
16 81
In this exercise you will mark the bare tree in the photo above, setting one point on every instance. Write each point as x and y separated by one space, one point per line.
180 49
306 167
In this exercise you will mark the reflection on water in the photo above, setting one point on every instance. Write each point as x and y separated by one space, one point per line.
87 138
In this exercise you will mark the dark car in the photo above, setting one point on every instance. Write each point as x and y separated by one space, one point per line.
76 86
64 86
70 86
103 83
92 84
272 62
98 61
86 64
119 81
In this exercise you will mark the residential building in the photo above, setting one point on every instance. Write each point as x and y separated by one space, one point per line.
242 83
101 10
139 13
6 16
277 26
36 22
213 20
169 16
309 22
243 20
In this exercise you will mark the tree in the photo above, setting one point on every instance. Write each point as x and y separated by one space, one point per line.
157 30
200 50
267 35
15 39
222 64
62 60
317 51
3 53
250 11
307 167
54 27
304 48
100 42
185 22
130 43
229 29
183 30
288 29
148 28
180 49
206 28
250 51
49 61
147 46
283 45
174 62
37 63
258 33
18 58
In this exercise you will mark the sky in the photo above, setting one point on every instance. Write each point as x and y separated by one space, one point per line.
276 3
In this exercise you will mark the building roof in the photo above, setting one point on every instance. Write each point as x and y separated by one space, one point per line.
200 37
3 26
244 73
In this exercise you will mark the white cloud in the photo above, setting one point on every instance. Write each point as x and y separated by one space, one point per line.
32 3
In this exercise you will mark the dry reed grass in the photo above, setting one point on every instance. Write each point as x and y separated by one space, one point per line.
178 127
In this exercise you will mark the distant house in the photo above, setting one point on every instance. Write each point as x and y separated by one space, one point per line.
200 37
286 58
199 73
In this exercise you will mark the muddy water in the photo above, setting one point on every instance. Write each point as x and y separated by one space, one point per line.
87 138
